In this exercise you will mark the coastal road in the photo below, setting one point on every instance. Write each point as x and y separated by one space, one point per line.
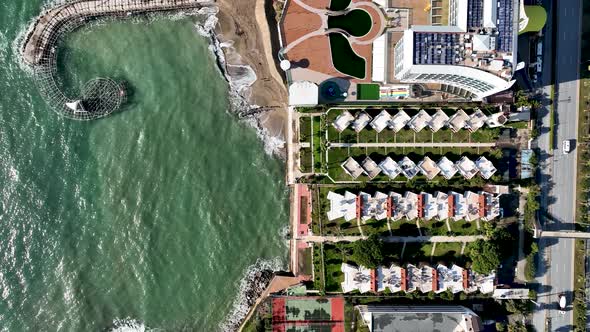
558 180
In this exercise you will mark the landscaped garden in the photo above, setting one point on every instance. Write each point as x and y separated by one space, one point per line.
337 5
356 22
344 58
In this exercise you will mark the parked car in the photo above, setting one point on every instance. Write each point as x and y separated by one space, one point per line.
566 146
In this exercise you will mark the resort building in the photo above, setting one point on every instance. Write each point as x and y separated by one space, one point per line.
419 121
399 121
447 168
409 168
476 120
380 50
429 206
352 168
373 207
371 168
486 168
381 318
381 121
438 120
459 207
412 205
466 167
413 278
392 278
458 121
396 206
426 167
390 168
358 278
442 205
343 121
342 206
469 206
361 121
453 278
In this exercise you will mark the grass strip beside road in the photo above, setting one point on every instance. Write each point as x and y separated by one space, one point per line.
551 118
579 302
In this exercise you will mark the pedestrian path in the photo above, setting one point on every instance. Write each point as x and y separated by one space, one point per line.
394 239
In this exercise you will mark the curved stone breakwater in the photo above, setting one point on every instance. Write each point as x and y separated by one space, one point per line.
40 49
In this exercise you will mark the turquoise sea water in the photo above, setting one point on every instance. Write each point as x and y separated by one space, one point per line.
153 214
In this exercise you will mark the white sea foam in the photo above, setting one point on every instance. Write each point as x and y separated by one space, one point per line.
240 78
240 306
128 325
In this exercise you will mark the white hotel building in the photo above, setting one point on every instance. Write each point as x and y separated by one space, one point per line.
474 56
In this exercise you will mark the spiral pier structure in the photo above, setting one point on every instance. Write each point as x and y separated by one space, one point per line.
101 96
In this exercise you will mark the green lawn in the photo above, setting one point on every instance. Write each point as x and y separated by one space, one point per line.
356 22
367 91
444 253
317 143
318 281
449 252
403 227
339 4
305 129
305 156
463 227
334 255
344 58
433 227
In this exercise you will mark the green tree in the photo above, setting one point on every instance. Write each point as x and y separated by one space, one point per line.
484 256
368 253
431 295
500 327
517 327
447 295
517 307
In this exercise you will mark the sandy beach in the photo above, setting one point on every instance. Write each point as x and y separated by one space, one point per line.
251 27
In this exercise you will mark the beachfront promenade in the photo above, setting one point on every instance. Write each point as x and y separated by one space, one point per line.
46 30
99 97
394 239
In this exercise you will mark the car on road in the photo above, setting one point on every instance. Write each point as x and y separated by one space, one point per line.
562 304
566 147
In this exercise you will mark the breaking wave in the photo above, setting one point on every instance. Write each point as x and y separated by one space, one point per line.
255 280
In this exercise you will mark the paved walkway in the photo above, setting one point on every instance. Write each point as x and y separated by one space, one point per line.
566 234
410 145
521 265
394 239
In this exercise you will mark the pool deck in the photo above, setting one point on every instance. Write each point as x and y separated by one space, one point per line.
306 43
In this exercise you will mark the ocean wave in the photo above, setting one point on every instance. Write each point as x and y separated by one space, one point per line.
128 325
273 145
240 79
246 292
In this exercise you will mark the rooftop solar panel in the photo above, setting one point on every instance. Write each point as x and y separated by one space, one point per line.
435 48
505 26
474 13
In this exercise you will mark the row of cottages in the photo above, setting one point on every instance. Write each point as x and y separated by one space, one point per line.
411 278
427 167
469 206
438 120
